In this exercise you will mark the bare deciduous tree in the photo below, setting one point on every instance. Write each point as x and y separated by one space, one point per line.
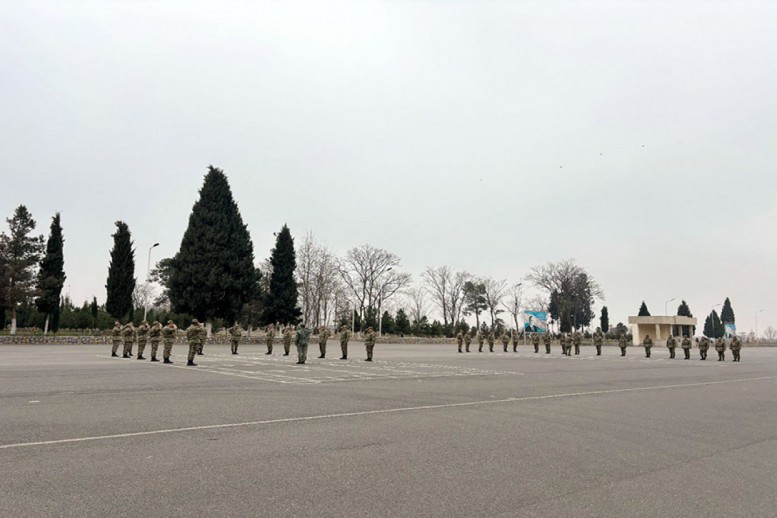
419 305
319 281
770 333
557 276
446 288
513 306
494 293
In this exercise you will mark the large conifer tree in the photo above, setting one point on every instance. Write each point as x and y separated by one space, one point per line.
22 253
51 276
121 273
643 310
213 273
727 313
604 320
683 310
281 301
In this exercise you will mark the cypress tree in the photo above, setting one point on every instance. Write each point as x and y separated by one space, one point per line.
605 320
713 328
121 271
213 273
727 313
402 322
643 310
51 276
281 301
684 311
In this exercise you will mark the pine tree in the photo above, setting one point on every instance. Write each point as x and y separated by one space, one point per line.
727 313
402 322
713 328
643 310
51 276
121 272
684 311
281 303
213 274
388 324
22 254
605 320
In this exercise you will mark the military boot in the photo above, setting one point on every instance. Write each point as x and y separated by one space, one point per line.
114 355
167 360
153 359
191 363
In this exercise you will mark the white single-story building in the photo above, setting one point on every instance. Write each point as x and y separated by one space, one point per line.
659 327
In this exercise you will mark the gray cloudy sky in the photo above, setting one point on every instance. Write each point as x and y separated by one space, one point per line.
636 137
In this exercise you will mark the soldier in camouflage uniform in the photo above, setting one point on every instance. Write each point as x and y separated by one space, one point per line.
467 340
623 343
505 340
168 339
154 336
576 339
460 339
369 343
647 343
736 347
598 341
671 344
269 337
194 337
323 336
547 339
115 338
704 345
203 335
288 332
686 345
563 339
128 333
302 341
345 334
142 338
235 334
514 335
490 340
480 341
535 341
720 347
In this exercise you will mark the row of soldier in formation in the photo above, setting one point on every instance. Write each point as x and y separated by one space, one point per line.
575 339
196 336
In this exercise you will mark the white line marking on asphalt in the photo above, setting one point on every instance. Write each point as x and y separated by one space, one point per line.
33 401
376 412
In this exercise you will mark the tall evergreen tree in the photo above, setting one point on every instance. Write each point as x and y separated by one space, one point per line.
402 322
121 273
684 311
281 302
713 328
213 274
643 310
727 313
51 276
22 253
604 320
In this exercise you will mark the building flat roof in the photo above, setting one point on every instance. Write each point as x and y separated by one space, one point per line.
664 320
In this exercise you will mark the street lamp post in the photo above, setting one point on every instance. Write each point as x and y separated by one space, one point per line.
756 325
666 306
712 320
148 273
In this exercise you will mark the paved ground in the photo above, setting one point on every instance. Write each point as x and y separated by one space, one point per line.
423 431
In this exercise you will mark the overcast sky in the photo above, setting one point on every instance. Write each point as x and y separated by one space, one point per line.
637 137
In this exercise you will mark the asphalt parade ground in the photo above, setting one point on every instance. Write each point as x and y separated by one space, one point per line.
422 431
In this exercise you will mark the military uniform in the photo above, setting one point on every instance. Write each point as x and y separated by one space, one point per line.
302 341
287 335
736 347
269 337
128 333
647 343
576 339
168 339
194 337
143 330
704 345
623 343
720 347
565 346
154 336
505 341
598 342
535 341
671 344
235 334
467 341
460 339
480 341
514 336
686 346
369 343
490 339
115 338
547 339
203 337
323 336
345 334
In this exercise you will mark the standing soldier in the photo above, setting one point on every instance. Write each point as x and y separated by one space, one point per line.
467 340
154 336
686 345
480 341
598 341
302 341
115 338
704 345
235 334
546 339
623 343
202 334
735 347
563 339
720 347
647 343
287 332
490 339
142 338
269 337
323 336
514 334
505 340
128 332
460 339
369 343
194 337
535 341
168 339
671 344
345 334
576 339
